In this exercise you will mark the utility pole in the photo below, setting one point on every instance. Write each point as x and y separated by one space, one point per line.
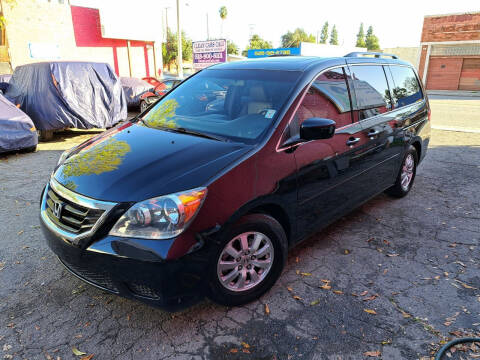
179 43
208 31
166 18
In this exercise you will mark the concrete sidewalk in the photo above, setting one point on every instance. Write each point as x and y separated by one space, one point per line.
454 93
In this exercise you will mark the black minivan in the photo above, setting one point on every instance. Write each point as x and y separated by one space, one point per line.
205 191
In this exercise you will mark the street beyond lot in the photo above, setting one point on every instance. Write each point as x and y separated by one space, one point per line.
392 279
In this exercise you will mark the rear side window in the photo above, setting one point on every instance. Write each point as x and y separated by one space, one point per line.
405 88
371 91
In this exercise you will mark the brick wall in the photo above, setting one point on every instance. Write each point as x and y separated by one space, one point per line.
455 27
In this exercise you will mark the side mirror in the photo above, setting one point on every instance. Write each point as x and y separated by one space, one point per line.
317 128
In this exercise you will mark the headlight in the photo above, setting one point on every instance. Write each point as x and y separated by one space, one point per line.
63 157
162 217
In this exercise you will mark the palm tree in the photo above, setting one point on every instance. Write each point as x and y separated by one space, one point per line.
223 16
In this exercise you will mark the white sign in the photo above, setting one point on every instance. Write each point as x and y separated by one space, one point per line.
206 53
44 51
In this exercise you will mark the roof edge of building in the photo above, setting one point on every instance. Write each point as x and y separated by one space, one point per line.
473 12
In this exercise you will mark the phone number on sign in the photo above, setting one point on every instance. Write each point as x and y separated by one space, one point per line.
209 56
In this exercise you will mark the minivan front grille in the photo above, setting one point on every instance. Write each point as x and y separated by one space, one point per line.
70 216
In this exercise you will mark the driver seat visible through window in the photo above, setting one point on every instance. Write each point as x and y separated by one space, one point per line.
257 101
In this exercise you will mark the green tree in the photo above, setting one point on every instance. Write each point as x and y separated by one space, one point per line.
223 15
256 42
334 36
361 37
232 48
371 41
169 49
293 39
324 34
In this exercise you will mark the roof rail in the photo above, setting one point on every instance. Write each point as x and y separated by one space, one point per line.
369 54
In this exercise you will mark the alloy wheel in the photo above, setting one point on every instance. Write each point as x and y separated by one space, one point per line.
245 261
407 172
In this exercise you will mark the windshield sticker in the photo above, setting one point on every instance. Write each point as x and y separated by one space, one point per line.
269 114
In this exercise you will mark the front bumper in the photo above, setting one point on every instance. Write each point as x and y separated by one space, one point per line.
171 285
133 268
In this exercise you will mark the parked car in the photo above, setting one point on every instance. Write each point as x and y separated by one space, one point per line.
160 88
184 202
4 82
17 131
134 88
59 95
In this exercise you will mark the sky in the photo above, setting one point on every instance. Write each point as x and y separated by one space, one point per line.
394 23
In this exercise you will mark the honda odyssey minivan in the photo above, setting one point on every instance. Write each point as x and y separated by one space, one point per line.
205 191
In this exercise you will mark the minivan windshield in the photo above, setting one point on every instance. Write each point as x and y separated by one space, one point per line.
230 105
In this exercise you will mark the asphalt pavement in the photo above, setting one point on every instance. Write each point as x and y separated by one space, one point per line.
392 280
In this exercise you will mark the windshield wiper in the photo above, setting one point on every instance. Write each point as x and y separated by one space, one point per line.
196 133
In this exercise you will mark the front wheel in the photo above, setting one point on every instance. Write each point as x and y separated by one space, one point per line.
247 260
143 106
406 175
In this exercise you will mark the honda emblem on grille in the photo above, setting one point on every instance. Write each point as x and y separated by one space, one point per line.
57 209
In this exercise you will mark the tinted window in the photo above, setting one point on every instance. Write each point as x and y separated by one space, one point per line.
371 90
327 98
405 89
237 105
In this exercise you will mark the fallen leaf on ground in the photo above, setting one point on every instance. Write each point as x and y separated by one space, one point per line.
325 287
392 255
325 281
296 297
338 292
246 351
373 297
88 357
77 352
363 293
314 302
297 272
372 353
372 312
245 345
296 259
466 286
267 309
306 274
20 232
289 288
346 251
234 351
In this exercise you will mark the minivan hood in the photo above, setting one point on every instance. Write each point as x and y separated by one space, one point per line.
134 162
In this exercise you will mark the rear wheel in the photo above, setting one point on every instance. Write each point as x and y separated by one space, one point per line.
406 175
247 260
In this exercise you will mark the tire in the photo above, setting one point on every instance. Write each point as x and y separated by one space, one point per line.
30 149
398 190
143 106
251 227
45 135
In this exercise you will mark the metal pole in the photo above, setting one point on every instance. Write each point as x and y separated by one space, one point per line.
208 31
179 43
129 59
166 19
155 71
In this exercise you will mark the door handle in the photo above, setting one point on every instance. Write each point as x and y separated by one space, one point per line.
352 141
373 132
